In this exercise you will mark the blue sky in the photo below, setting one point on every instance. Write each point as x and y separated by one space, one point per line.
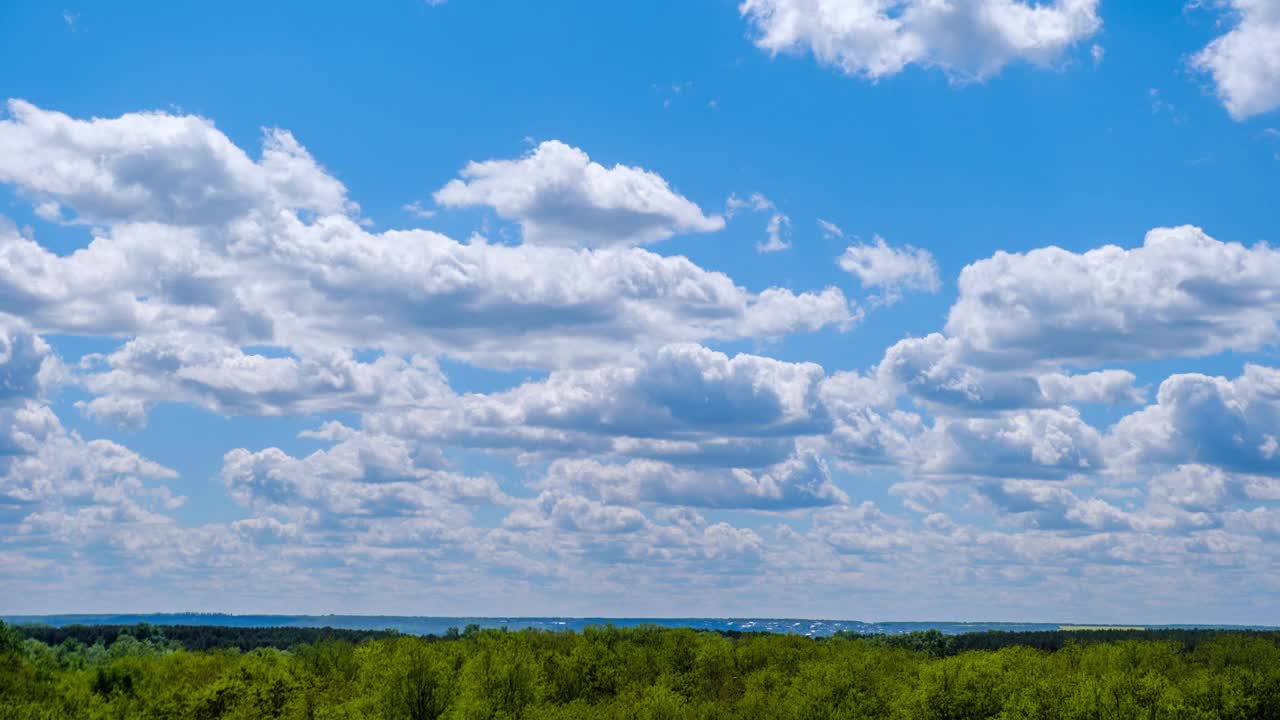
780 307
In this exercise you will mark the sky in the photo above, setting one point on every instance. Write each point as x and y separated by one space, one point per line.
855 309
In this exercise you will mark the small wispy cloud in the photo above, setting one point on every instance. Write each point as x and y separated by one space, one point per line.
415 208
891 270
777 230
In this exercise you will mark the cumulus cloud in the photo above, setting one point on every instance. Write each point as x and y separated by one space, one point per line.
1230 424
1261 522
1052 442
1111 387
1195 487
331 284
891 271
363 476
684 404
198 235
559 196
54 481
798 482
56 487
497 305
1182 293
1245 62
868 430
968 39
156 167
935 369
188 367
1186 500
863 530
1052 506
574 513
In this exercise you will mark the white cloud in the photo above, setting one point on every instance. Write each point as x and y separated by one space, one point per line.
776 312
868 431
798 482
363 476
1245 62
935 369
187 367
755 201
199 236
56 487
560 197
1230 424
891 271
28 368
1182 293
416 209
1043 443
1050 505
863 530
1264 522
777 230
53 474
684 404
574 513
1194 487
1111 387
969 39
155 167
332 284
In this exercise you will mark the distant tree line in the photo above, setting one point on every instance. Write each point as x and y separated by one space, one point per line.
199 637
937 644
644 673
932 642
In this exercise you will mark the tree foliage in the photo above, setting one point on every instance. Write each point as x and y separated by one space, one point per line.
645 673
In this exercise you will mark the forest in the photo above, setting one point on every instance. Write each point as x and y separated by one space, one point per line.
645 673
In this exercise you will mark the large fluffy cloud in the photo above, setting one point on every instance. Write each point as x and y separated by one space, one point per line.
1245 62
1182 293
684 404
332 284
262 253
966 38
204 371
1232 424
1034 443
935 369
560 197
57 488
362 476
156 167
